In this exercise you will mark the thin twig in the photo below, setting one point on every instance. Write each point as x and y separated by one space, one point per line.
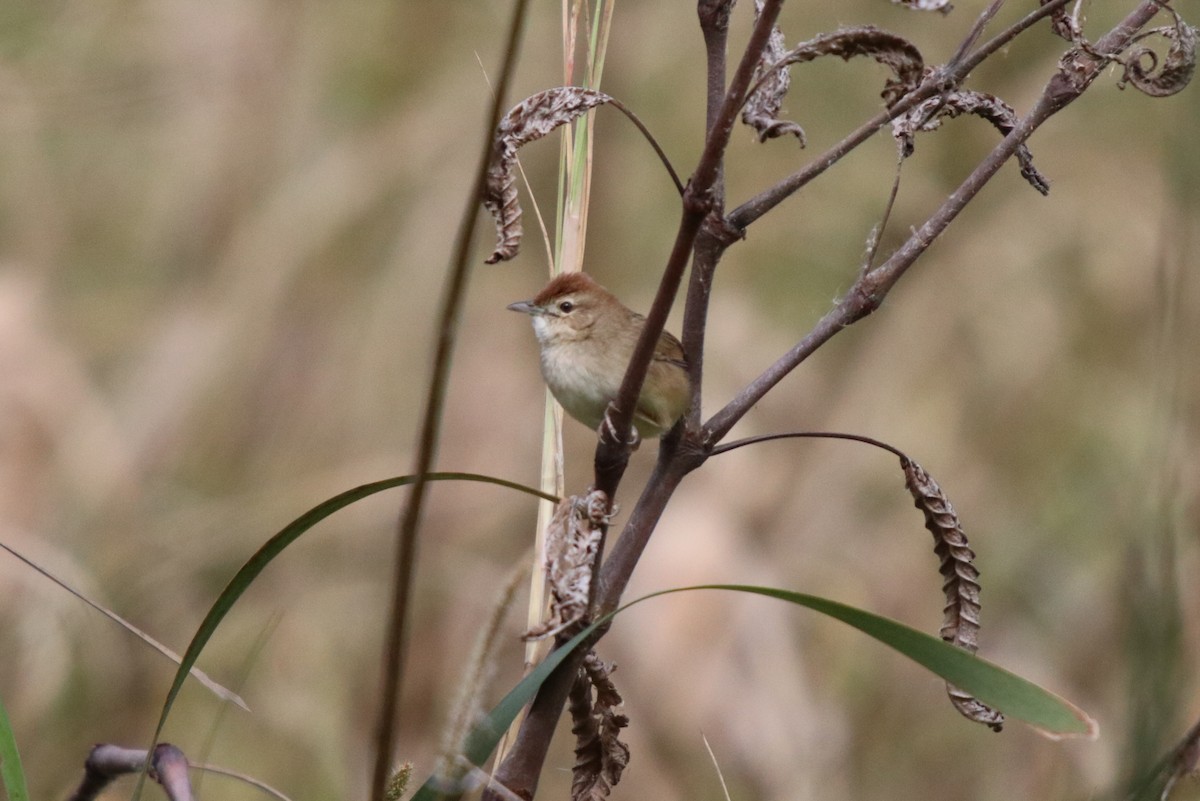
877 234
641 126
976 31
729 446
1008 34
396 633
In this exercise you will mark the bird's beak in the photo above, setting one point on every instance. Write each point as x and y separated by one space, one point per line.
525 307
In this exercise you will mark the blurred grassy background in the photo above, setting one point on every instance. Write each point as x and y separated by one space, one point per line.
223 230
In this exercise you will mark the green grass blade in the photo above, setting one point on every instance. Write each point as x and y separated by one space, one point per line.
486 734
276 544
10 761
1014 696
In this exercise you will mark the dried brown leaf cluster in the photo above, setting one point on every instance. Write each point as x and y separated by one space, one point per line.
572 542
960 624
928 116
600 756
526 122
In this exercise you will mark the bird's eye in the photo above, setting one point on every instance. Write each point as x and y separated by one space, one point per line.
565 306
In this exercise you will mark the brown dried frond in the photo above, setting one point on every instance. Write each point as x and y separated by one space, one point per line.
528 121
940 6
960 624
894 52
1177 67
763 105
600 756
572 541
928 116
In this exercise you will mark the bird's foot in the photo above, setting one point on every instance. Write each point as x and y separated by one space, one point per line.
609 433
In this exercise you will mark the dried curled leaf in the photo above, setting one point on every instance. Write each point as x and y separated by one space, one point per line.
940 6
763 105
528 121
1142 68
600 756
895 52
960 624
572 541
928 116
1066 24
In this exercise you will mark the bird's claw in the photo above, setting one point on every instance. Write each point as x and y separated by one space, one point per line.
608 431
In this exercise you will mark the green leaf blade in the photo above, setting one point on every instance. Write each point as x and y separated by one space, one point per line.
1016 697
11 772
274 546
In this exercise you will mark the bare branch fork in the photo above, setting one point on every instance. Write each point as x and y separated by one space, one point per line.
705 231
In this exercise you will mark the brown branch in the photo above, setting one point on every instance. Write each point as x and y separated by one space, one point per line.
167 765
707 250
976 31
612 454
1079 69
410 521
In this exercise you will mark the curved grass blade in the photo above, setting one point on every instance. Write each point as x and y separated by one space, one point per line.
1050 715
1019 698
487 733
242 580
11 773
224 693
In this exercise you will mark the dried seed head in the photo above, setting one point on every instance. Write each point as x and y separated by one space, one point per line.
572 541
528 121
600 756
928 116
960 622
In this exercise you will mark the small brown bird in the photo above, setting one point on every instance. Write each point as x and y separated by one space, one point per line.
587 337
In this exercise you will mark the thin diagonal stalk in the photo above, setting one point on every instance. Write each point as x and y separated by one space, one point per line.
409 524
